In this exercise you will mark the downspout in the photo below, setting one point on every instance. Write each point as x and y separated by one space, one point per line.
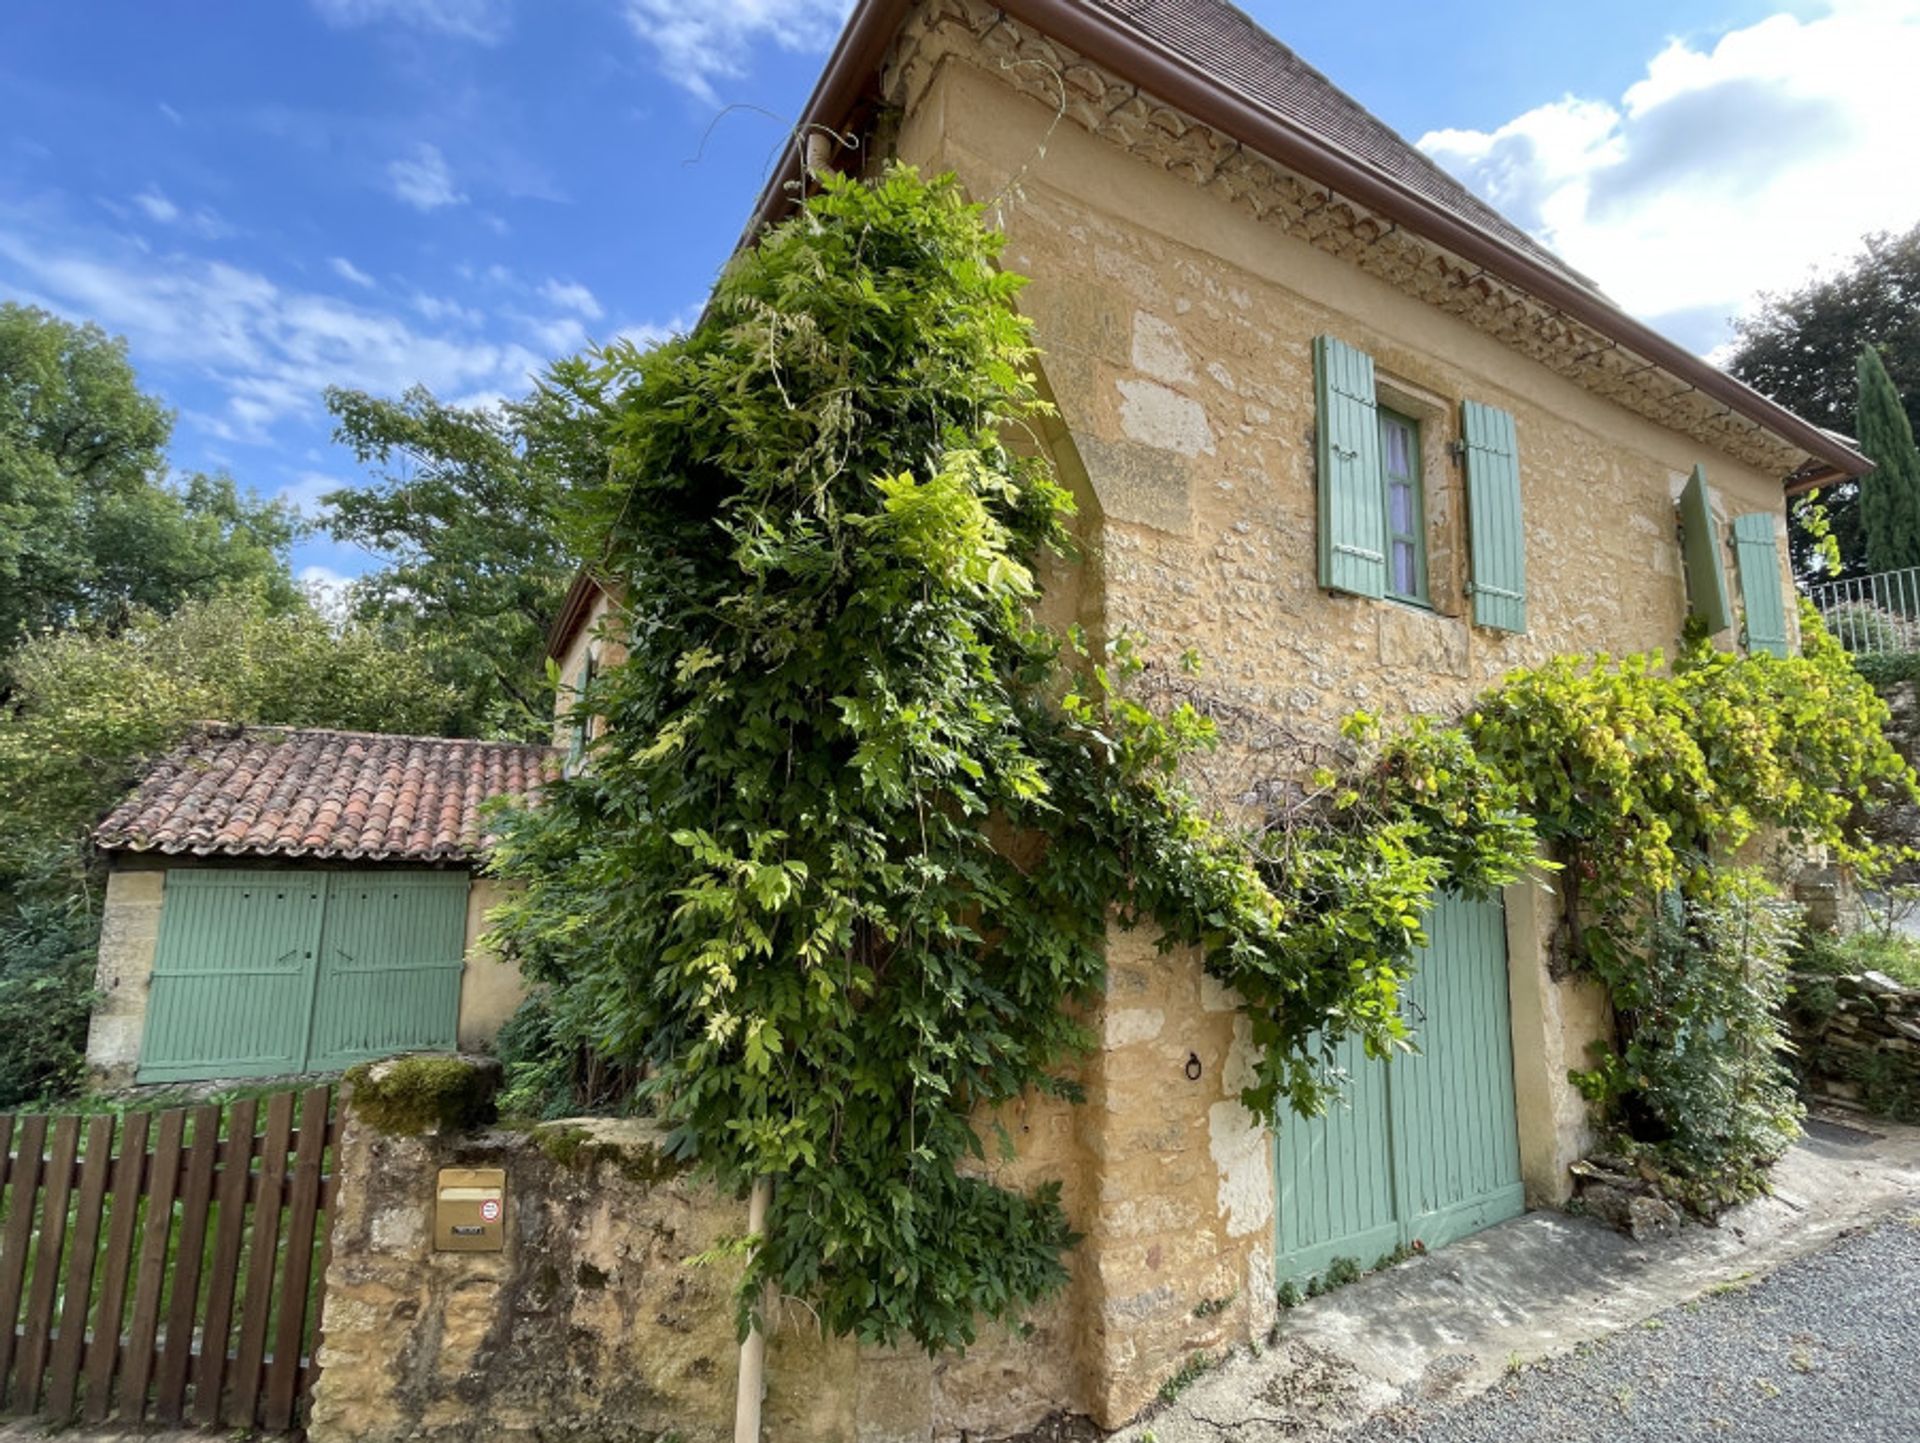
752 1385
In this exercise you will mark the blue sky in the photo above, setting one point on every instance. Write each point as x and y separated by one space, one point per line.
268 198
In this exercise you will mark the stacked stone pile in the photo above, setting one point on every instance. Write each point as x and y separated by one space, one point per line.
1872 1034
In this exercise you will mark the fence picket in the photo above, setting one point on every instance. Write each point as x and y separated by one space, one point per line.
103 1351
230 1232
46 1262
303 1203
14 1243
262 1253
163 1181
82 1257
183 1305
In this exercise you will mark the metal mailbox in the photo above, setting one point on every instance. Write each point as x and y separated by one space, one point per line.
470 1210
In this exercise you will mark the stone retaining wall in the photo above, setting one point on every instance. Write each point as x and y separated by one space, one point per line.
595 1322
1859 1043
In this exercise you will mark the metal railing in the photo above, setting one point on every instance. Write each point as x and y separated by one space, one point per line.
1872 615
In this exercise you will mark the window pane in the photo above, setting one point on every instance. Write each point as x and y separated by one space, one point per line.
1398 463
1403 569
1400 509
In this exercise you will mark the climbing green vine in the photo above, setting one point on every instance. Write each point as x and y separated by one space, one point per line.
1661 791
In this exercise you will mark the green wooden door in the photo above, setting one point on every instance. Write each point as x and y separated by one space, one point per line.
391 957
1424 1148
233 974
263 973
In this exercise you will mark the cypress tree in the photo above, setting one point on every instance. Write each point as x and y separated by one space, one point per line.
1890 497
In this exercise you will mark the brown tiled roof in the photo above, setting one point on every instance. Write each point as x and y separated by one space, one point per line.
1238 54
287 792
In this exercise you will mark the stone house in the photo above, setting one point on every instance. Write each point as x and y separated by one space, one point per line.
1361 442
286 900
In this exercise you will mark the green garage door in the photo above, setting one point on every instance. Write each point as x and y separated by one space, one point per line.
260 973
1424 1148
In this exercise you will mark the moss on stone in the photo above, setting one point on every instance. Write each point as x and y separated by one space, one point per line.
409 1096
579 1149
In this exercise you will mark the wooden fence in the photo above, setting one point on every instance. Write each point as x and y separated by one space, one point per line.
165 1267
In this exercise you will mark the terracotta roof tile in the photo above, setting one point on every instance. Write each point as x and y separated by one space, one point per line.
304 792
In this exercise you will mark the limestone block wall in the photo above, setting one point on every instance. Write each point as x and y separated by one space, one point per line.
596 1321
129 933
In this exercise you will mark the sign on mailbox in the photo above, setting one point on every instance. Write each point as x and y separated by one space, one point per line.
470 1210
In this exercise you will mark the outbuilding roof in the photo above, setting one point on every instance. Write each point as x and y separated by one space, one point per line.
308 792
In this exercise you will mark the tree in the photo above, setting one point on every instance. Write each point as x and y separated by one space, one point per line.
85 711
91 530
1800 348
1890 497
466 508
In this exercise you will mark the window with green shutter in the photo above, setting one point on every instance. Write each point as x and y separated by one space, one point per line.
1353 522
1706 579
1756 553
1498 534
579 721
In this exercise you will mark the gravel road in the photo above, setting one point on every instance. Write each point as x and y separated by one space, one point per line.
1825 1350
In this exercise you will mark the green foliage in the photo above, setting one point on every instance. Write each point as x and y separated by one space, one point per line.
1197 1366
90 528
47 943
550 1072
1353 859
1647 783
1890 497
465 512
840 870
87 710
1887 667
407 1096
1800 348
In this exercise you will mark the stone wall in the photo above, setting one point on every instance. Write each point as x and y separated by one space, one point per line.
1858 1041
595 1322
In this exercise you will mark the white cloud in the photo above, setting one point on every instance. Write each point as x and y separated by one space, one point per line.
270 350
201 221
171 114
697 44
572 296
348 271
423 179
481 20
157 206
327 589
1725 170
303 493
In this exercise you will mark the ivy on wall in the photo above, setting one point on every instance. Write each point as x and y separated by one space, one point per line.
1655 787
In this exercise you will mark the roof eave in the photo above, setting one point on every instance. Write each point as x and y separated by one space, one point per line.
1172 78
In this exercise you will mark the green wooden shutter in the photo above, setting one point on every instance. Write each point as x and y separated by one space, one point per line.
1353 515
232 975
1756 551
1706 580
391 958
1499 536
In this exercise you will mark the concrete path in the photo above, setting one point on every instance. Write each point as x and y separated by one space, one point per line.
1509 1308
